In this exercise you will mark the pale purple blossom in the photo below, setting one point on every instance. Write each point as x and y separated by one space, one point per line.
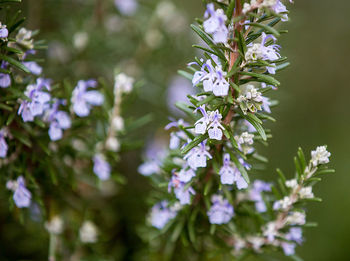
215 24
209 122
229 174
126 7
3 31
101 168
255 194
21 196
197 157
213 79
221 211
258 51
186 174
3 144
161 214
149 167
33 67
182 193
295 234
5 79
39 100
59 121
83 99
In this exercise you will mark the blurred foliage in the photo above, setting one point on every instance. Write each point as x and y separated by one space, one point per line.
314 97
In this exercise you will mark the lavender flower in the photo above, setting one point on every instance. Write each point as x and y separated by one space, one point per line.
83 100
148 168
215 24
213 79
230 174
209 122
161 213
255 194
3 31
128 7
5 79
197 157
102 169
182 193
258 51
186 174
22 195
3 144
59 121
33 67
221 211
295 234
38 100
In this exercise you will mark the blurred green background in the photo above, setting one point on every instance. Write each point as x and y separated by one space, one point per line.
313 104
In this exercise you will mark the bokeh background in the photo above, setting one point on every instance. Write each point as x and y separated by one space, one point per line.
93 38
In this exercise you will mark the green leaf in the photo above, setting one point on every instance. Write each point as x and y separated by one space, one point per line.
194 143
15 63
262 78
219 54
230 9
185 74
266 28
5 107
10 1
256 125
13 50
177 231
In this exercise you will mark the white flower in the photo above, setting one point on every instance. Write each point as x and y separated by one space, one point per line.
306 192
55 225
292 183
320 156
296 218
252 100
123 83
113 144
118 123
245 138
88 232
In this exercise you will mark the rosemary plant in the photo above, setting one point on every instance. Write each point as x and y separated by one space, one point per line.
208 201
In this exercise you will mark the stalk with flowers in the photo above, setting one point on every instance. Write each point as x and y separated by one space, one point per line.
208 197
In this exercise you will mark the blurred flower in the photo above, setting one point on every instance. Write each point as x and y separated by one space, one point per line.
153 38
126 7
88 232
182 193
221 212
55 225
101 167
33 67
112 144
3 31
123 84
22 195
59 121
255 194
173 20
3 144
83 100
80 40
178 90
113 23
161 213
230 174
24 37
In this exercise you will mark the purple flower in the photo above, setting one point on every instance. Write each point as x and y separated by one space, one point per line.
186 174
215 24
161 213
3 31
230 174
280 8
197 157
128 7
38 100
5 80
255 194
209 122
102 169
288 248
148 168
213 79
83 100
221 211
59 121
22 195
3 144
182 193
33 67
